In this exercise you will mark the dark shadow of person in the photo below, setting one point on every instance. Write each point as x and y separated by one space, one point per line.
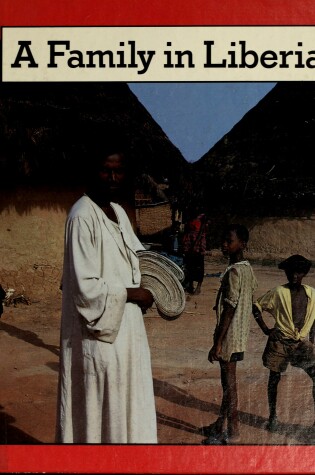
12 435
28 336
303 434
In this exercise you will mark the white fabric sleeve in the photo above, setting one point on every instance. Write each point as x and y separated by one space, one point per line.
100 303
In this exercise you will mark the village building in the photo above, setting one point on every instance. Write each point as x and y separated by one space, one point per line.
261 173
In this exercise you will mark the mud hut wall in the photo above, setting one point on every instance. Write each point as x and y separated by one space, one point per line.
32 236
274 238
152 219
32 233
31 240
281 237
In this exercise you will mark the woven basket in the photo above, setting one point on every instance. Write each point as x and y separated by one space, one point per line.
163 278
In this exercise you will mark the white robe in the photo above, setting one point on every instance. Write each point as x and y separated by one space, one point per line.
105 380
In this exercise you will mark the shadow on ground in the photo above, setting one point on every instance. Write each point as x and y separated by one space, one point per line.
28 336
12 435
302 434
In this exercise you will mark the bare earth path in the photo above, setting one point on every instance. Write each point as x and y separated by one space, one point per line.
187 386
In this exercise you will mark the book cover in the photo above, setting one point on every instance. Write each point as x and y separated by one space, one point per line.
179 404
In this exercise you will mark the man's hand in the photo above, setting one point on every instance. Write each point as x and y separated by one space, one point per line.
141 297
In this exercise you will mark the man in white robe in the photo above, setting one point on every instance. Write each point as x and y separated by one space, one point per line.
105 381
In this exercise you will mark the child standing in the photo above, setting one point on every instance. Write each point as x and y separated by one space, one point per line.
291 340
233 307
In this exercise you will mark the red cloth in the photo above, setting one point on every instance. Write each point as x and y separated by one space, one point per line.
192 242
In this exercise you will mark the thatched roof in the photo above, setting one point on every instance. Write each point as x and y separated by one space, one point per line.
265 165
46 132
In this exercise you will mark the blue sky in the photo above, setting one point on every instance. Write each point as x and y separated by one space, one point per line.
195 116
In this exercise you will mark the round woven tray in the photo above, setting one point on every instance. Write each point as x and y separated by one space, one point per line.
163 278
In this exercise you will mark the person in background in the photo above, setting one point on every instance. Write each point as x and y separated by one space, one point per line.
292 305
172 240
194 249
105 390
233 308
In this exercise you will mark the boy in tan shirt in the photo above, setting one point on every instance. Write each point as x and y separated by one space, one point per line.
234 307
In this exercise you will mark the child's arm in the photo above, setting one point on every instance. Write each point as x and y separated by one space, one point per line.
312 333
225 321
260 321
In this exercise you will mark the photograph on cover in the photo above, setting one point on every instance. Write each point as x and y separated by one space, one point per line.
203 156
38 195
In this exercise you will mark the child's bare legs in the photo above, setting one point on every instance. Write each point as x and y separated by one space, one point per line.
274 378
229 368
311 373
218 425
228 409
273 382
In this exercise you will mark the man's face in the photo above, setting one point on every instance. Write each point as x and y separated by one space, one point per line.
111 175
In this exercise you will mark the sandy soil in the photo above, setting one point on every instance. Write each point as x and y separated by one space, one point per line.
187 386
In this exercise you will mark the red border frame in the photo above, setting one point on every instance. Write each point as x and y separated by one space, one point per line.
161 459
157 459
156 12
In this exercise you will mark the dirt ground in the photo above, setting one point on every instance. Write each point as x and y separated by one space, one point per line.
187 386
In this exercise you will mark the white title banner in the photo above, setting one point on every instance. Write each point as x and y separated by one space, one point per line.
136 54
